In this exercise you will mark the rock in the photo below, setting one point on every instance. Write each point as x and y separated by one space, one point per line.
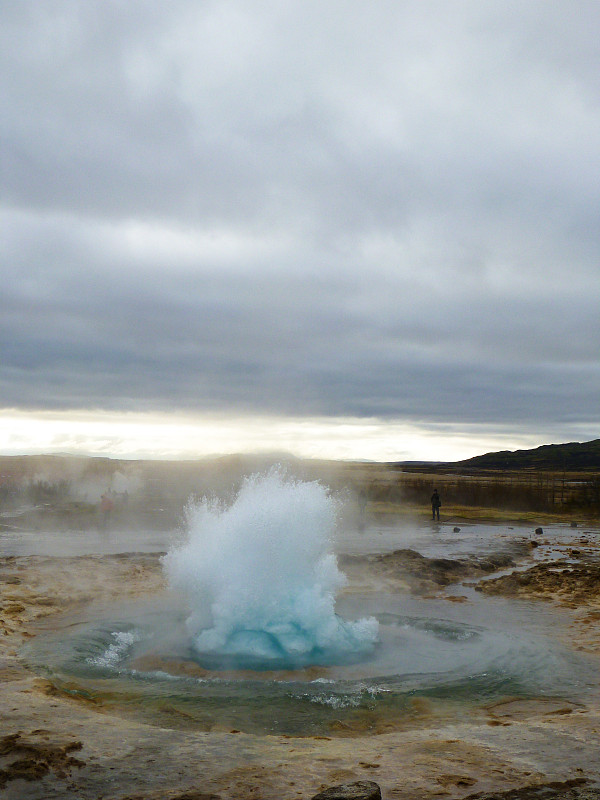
573 524
493 562
574 789
189 795
360 790
456 529
560 580
34 759
539 531
440 571
533 543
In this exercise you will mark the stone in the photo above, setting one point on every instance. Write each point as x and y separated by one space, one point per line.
360 790
456 529
539 531
564 581
34 759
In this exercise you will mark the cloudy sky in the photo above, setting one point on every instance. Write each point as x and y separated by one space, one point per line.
342 228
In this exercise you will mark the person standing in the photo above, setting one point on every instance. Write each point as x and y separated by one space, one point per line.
435 504
106 507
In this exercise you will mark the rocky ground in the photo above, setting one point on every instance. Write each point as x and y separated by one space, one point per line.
53 745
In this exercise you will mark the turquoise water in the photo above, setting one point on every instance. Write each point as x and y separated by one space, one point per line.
143 665
261 632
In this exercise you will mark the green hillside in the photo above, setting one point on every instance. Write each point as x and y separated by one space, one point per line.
572 456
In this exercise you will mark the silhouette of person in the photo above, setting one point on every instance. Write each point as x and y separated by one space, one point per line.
435 504
106 507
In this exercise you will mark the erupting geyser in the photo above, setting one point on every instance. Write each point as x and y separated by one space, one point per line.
260 578
250 639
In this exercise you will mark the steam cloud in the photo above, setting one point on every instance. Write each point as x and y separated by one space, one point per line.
261 578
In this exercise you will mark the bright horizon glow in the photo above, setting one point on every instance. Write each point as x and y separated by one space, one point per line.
134 435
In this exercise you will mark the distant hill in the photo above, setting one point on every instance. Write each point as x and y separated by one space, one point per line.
553 457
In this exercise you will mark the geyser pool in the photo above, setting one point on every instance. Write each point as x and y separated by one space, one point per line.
138 663
261 579
259 632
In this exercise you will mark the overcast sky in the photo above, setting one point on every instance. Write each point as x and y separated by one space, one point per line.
382 212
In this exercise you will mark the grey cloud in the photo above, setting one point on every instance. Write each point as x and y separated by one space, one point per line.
387 211
127 122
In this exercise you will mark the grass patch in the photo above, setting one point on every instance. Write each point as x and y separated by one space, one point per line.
462 513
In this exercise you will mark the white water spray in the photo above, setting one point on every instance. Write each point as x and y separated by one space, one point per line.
261 578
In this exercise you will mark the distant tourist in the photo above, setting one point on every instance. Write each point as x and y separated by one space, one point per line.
362 505
435 504
106 507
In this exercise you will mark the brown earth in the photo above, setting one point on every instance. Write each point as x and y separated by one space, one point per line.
570 584
56 746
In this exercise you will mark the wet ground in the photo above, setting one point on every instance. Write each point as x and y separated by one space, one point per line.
62 741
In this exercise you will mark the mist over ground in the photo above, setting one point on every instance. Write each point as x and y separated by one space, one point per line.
59 491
